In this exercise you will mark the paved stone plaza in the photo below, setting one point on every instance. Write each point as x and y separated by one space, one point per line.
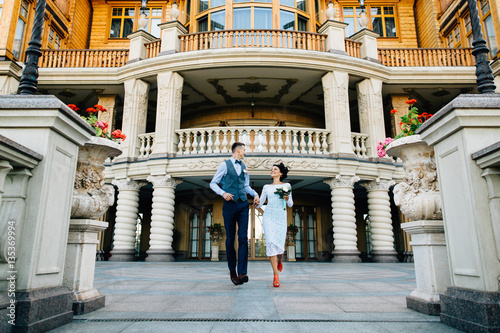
199 297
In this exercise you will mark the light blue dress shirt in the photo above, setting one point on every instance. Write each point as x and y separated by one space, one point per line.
221 173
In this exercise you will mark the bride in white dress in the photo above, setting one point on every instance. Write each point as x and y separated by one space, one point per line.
274 219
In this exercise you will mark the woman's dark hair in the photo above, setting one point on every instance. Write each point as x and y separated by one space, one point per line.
283 170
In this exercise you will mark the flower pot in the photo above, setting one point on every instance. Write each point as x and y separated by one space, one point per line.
91 198
418 195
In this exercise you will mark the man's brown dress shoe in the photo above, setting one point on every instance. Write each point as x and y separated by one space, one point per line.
234 278
242 278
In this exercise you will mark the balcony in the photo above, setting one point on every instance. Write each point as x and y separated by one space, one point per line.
274 140
297 40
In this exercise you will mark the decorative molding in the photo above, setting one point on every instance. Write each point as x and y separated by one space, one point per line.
342 181
255 163
163 181
128 184
381 185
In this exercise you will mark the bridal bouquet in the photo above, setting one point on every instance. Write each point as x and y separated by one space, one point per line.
282 191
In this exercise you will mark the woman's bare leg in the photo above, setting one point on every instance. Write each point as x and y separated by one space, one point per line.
274 264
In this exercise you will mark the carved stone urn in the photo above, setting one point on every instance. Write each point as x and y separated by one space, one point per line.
418 195
91 198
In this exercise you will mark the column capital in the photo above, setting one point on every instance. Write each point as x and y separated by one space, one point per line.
128 184
342 181
379 184
163 181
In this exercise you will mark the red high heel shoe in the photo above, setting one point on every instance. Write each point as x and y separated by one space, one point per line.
280 266
276 281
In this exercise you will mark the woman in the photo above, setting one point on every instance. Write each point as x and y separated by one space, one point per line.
274 219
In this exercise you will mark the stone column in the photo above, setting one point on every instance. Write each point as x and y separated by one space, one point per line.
10 74
368 49
379 210
344 219
135 110
126 220
335 40
337 118
162 219
109 103
170 32
371 113
168 113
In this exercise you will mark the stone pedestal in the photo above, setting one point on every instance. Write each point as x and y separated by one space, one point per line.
80 264
137 49
368 49
335 40
170 32
47 126
215 252
290 253
431 265
466 125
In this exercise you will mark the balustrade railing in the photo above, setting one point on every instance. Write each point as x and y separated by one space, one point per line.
84 58
359 144
253 38
256 139
285 140
153 48
352 48
426 57
146 148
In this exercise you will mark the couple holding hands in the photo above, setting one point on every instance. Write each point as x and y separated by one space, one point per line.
235 186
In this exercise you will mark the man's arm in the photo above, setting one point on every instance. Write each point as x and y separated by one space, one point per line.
214 184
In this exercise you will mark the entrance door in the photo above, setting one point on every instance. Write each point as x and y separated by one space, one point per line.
200 218
256 238
304 218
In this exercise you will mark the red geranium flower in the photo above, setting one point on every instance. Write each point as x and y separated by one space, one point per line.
393 111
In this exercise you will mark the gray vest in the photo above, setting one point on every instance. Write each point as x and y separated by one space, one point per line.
233 183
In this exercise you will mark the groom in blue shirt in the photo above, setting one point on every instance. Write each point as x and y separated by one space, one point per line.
233 175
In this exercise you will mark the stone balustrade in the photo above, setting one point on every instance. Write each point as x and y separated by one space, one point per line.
218 140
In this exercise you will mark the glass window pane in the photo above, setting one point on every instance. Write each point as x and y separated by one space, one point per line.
203 24
0 12
485 7
202 5
238 1
263 18
388 10
129 11
301 4
289 3
287 20
242 18
351 28
128 27
268 1
302 23
490 35
217 3
377 25
376 10
115 28
218 20
390 27
156 11
117 12
18 38
348 11
155 30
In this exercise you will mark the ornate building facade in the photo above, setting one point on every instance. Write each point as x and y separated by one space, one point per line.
304 82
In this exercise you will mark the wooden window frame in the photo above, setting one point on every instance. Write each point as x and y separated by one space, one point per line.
229 6
56 34
368 11
24 41
137 12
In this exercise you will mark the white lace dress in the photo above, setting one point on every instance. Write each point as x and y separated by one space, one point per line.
274 219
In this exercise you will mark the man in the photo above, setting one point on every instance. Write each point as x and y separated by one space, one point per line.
235 186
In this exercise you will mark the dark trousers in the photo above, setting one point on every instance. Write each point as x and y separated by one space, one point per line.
236 212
